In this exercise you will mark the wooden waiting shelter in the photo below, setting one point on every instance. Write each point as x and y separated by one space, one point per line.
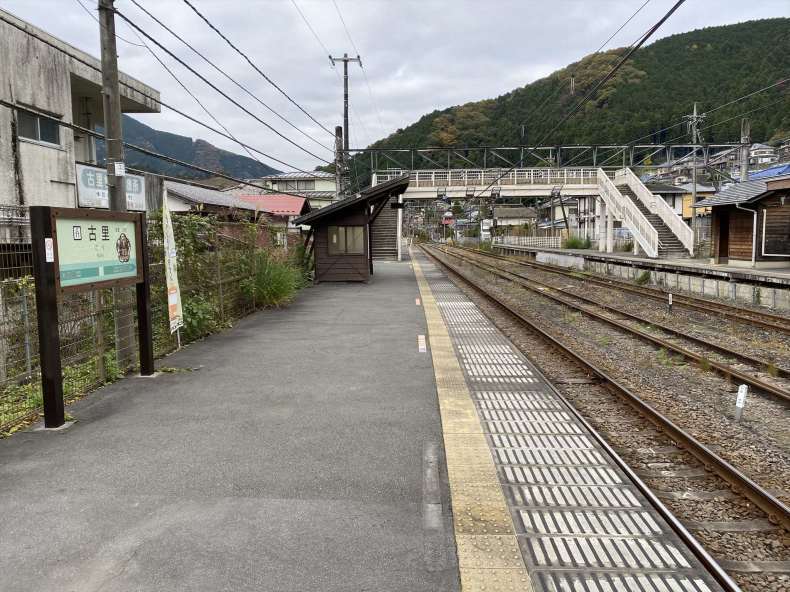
750 223
341 232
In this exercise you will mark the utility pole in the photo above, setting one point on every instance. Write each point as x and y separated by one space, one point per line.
113 130
746 142
345 59
693 122
340 165
111 95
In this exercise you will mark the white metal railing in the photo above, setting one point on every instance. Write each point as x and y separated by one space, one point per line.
547 242
500 177
626 210
656 205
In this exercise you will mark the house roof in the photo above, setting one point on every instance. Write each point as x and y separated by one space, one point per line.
663 188
689 187
735 194
511 212
299 175
278 204
774 171
202 195
384 190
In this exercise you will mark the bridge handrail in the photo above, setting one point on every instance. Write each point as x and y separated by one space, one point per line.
656 205
482 177
632 217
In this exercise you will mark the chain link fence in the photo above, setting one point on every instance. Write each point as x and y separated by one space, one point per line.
98 333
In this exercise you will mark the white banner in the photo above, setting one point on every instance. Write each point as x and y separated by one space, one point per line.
92 189
174 310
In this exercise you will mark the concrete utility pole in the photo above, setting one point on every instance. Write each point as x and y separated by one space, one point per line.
746 142
340 165
345 59
111 95
693 122
113 130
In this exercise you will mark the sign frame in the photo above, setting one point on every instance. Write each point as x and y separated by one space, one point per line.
48 290
98 215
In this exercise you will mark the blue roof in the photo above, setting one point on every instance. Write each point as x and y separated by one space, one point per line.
774 171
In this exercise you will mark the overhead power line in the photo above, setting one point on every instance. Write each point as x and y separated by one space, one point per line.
612 36
327 53
153 99
146 151
256 68
228 76
364 74
216 88
172 75
642 40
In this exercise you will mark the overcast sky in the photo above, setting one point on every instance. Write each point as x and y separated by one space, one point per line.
419 55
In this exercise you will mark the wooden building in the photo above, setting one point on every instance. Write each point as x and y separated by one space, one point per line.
750 223
340 233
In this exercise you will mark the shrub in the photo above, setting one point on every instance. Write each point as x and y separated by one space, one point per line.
643 278
200 317
627 246
273 281
576 242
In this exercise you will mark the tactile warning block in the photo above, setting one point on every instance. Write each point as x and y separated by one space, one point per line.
488 551
461 475
481 509
495 580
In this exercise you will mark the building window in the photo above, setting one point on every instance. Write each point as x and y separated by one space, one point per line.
346 240
308 185
37 128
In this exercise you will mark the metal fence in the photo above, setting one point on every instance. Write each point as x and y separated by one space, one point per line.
98 336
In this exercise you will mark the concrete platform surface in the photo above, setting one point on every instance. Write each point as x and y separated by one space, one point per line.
293 460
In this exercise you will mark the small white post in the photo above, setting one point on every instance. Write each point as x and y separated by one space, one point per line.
669 302
740 401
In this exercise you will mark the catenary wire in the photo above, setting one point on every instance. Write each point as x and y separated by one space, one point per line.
256 68
216 88
601 82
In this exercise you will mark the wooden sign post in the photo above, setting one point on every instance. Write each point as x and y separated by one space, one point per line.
78 250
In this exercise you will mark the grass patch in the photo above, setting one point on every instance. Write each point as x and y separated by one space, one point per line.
273 281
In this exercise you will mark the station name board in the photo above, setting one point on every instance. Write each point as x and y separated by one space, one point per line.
92 190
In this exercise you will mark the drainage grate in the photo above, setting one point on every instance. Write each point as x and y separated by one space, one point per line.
581 525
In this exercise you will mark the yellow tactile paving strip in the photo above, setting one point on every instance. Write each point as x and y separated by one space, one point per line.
489 558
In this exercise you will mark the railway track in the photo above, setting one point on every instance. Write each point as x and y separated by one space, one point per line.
620 319
778 513
758 318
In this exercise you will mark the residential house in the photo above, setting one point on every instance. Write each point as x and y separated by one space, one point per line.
318 187
750 223
514 216
198 199
280 210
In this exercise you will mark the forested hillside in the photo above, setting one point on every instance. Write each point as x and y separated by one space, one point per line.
652 91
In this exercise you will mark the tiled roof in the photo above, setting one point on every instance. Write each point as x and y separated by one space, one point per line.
201 195
735 194
298 175
663 188
514 212
279 205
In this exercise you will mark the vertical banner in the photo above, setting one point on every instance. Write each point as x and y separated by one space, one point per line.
174 311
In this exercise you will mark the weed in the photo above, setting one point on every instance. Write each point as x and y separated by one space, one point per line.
704 364
772 370
576 242
604 340
643 278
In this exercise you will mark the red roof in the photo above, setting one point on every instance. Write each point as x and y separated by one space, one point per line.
278 204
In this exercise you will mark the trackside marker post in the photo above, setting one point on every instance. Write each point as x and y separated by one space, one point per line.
740 401
669 302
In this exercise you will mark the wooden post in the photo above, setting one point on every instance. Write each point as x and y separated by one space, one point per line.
144 329
47 313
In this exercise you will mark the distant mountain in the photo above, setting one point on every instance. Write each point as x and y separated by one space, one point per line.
198 152
653 90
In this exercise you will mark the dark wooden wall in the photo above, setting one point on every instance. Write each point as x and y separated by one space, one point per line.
340 268
777 227
741 224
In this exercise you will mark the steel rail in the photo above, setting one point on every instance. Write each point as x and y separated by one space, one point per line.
723 369
774 508
756 317
662 423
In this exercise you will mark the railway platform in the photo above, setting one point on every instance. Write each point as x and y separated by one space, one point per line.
369 437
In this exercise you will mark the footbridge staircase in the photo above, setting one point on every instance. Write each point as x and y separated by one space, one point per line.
655 226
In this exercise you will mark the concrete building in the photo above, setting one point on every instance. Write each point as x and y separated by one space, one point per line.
40 72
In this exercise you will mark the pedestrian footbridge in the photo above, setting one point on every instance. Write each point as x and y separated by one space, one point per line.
621 196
